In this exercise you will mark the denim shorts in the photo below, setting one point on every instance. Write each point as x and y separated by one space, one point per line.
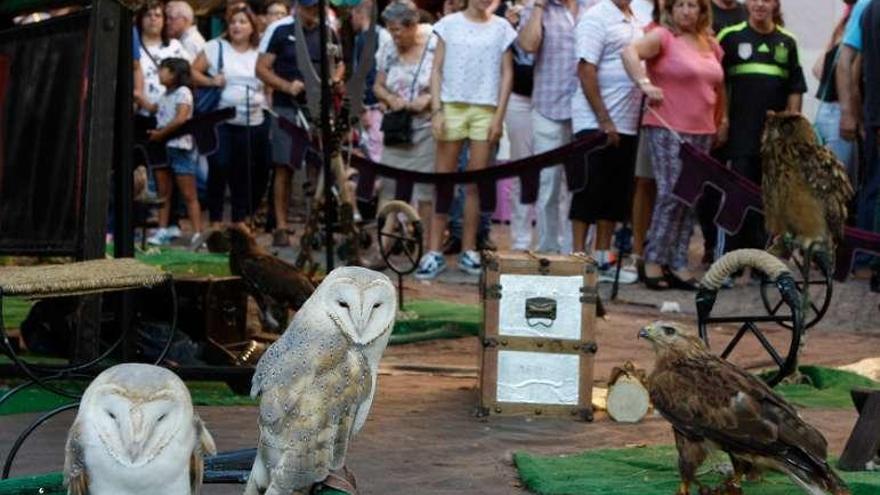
182 161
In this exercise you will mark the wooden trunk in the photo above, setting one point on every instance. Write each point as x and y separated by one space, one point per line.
214 307
538 337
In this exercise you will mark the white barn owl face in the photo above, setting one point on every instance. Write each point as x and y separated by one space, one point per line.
361 306
135 423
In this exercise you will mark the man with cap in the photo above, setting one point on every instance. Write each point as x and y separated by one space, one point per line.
277 68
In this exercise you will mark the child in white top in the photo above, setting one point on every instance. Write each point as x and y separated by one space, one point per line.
471 81
173 109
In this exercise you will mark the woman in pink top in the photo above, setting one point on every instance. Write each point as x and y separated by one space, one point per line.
684 85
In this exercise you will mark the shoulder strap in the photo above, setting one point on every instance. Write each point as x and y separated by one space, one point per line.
412 86
220 56
150 55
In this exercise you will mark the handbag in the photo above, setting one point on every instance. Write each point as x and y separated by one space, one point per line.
397 125
207 99
822 102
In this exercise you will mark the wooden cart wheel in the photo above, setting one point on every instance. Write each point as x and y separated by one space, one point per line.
399 235
813 281
781 345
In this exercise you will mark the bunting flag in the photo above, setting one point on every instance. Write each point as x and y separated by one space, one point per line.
528 170
739 195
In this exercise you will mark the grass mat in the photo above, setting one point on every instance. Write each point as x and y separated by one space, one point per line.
437 320
646 471
35 399
51 484
829 388
181 262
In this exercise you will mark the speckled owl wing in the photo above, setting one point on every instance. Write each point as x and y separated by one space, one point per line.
828 180
204 445
75 475
312 384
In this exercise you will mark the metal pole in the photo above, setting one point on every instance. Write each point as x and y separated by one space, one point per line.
327 143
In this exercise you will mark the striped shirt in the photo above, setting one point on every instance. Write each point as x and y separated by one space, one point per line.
555 64
600 37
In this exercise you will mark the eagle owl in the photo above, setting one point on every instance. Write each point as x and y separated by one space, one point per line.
318 380
805 187
136 433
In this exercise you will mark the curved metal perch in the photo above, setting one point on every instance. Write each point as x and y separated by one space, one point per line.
778 274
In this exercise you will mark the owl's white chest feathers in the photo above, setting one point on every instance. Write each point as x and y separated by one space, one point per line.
165 474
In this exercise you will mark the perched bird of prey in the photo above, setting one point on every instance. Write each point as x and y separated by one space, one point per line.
136 434
275 284
805 187
713 404
318 380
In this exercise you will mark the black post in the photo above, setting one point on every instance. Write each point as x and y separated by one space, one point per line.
103 62
123 228
327 144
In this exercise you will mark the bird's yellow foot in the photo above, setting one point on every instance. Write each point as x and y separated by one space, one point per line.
684 488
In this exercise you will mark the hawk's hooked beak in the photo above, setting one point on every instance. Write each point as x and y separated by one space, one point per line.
647 332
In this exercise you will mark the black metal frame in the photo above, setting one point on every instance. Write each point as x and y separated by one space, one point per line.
787 364
812 314
388 240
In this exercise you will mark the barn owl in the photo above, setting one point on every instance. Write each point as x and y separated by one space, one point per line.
318 380
136 433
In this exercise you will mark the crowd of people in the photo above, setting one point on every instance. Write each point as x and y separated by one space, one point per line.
447 87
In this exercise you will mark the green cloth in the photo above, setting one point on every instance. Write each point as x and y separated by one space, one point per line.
51 484
829 388
437 320
646 471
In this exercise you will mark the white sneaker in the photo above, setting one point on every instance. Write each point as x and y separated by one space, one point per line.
159 237
469 262
173 232
628 274
431 265
196 241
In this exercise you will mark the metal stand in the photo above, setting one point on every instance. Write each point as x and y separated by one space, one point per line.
404 238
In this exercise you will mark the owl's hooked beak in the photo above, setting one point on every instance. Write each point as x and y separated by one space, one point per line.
138 436
647 332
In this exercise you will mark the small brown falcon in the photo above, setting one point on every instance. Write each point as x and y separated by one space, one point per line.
713 404
275 284
805 187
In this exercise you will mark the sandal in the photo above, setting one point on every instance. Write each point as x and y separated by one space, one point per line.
654 283
676 282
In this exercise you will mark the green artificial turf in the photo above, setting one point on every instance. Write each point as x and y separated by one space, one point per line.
829 388
15 310
646 471
51 484
183 263
437 320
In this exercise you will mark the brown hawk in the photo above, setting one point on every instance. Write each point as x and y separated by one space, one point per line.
805 187
276 285
713 404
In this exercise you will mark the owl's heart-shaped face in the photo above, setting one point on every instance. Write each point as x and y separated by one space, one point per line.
361 303
136 411
362 313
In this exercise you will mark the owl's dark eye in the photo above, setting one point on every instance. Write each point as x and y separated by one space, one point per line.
342 304
669 331
376 305
112 416
159 420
